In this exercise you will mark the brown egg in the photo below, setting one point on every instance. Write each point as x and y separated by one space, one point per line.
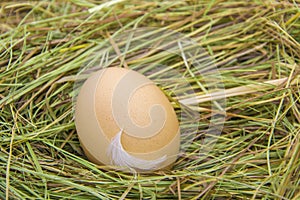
124 119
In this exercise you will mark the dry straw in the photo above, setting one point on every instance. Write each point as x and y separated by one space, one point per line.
255 45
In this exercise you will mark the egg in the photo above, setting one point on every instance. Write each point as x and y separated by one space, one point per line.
123 119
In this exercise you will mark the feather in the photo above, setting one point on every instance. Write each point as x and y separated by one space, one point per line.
119 157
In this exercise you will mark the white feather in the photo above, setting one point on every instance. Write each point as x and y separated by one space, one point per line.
120 157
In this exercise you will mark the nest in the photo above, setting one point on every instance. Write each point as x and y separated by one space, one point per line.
254 46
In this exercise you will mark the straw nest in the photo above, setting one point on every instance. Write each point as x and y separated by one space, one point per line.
256 156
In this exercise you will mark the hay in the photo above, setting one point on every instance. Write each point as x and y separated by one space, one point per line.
43 45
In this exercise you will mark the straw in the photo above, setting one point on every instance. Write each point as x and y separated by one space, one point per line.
254 45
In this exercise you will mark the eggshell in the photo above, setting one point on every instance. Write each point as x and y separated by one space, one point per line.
117 100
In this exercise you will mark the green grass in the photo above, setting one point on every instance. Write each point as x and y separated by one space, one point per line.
43 45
